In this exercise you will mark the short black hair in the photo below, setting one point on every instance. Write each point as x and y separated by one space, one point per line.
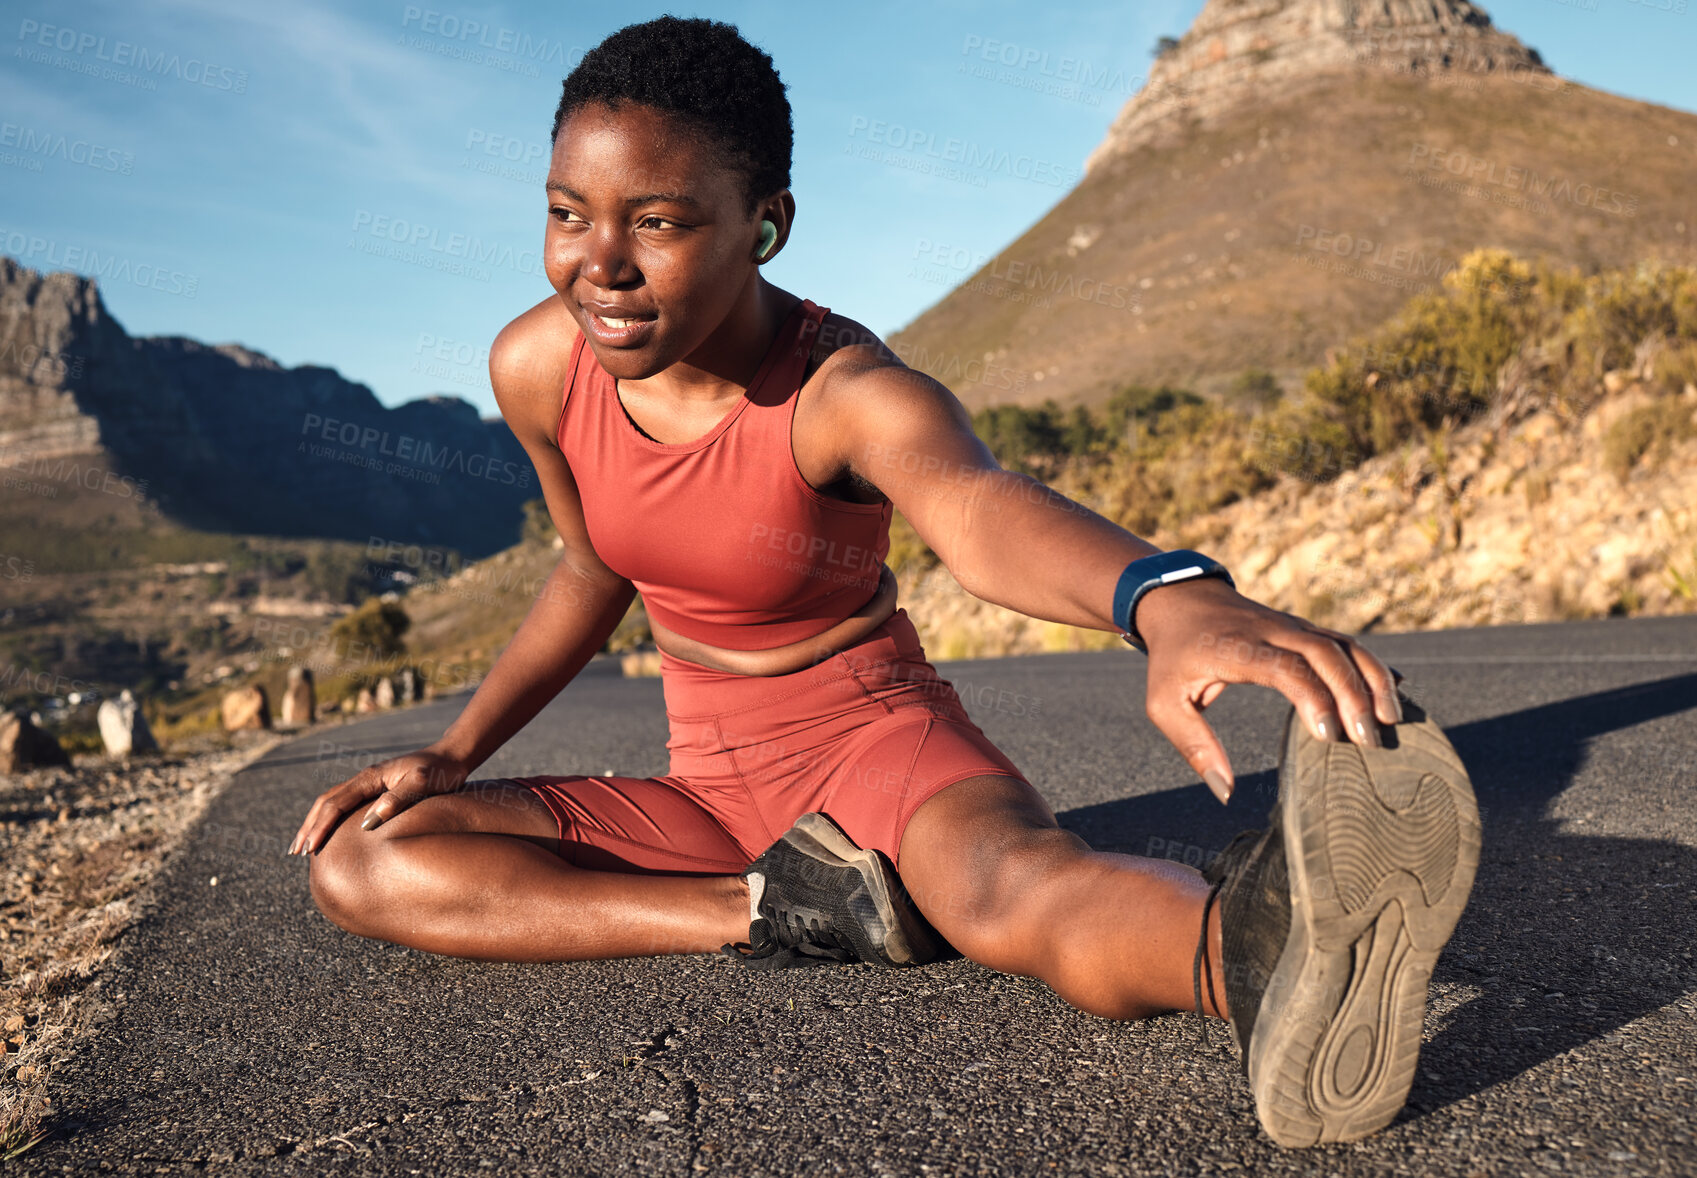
705 73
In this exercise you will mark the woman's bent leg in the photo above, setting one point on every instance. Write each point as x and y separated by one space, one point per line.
1112 934
479 874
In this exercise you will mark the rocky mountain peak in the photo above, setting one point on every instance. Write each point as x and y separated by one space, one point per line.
1242 52
224 438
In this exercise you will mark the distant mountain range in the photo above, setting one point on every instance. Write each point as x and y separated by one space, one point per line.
222 438
1292 171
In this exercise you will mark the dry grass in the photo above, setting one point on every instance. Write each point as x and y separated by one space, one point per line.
1648 434
79 849
1536 486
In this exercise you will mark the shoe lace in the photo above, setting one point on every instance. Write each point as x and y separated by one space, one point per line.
814 931
766 947
1217 872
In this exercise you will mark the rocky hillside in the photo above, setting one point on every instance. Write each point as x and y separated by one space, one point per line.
1241 53
102 430
1292 172
1534 518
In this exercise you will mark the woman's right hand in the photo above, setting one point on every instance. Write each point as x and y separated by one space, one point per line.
395 784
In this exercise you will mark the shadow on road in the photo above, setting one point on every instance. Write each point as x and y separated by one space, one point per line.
1567 938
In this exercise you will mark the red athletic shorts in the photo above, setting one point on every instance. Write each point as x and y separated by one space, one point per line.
864 737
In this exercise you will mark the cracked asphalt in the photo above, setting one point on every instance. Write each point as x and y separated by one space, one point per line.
248 1034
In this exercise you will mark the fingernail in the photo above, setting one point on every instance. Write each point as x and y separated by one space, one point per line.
1396 703
1368 733
371 820
1324 727
1218 783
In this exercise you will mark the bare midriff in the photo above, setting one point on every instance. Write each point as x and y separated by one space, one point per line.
781 660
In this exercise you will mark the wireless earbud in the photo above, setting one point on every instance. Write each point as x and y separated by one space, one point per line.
768 235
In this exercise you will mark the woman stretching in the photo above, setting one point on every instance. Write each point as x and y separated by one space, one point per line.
735 452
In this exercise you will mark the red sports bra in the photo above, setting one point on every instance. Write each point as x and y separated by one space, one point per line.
724 539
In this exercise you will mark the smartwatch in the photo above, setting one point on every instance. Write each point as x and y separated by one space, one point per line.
1151 572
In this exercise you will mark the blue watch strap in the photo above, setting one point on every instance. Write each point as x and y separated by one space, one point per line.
1151 572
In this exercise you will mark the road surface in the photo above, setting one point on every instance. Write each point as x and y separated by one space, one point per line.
254 1036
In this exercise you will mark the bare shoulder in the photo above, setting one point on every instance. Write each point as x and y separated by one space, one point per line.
861 377
845 346
528 365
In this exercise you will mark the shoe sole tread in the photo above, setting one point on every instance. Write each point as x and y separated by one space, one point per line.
1382 847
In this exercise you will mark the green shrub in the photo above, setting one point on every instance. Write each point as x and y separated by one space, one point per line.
1651 430
1135 407
1021 438
1255 388
1159 456
1676 366
338 572
1435 364
374 629
1082 436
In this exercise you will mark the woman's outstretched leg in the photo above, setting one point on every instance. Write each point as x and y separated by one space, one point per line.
1114 935
477 874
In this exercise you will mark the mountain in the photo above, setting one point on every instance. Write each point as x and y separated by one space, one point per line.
1291 172
221 438
1239 54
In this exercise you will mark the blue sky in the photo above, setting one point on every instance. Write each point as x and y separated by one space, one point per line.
305 178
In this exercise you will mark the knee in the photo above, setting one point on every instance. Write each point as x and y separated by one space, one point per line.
997 909
339 877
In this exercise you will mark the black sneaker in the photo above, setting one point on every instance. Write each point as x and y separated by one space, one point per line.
815 898
1332 919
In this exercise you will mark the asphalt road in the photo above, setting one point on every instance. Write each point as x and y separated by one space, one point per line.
251 1035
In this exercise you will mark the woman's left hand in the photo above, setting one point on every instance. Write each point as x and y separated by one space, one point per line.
1203 635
